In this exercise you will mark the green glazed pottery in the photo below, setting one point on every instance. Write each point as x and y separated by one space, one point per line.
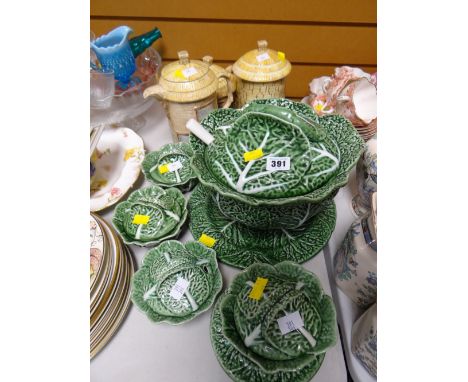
321 150
176 282
166 209
266 217
241 246
170 167
246 334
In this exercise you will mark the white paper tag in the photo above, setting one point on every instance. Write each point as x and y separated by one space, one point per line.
263 57
174 166
278 163
290 322
189 71
179 288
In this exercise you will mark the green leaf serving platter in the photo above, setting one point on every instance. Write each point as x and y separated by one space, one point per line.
241 246
246 335
322 151
166 210
177 155
154 284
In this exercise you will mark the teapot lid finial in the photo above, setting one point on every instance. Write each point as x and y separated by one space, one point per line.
208 60
183 57
262 45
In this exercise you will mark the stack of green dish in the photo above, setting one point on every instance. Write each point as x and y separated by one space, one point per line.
170 167
258 338
176 282
162 214
273 166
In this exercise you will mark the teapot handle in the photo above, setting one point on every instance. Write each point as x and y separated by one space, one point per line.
230 98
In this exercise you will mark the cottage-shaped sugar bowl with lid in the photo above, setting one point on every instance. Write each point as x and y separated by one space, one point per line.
261 73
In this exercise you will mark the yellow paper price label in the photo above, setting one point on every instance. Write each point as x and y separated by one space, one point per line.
252 155
257 289
207 240
163 169
281 56
141 219
178 73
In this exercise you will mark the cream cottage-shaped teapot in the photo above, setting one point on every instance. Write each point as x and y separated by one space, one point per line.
188 89
261 73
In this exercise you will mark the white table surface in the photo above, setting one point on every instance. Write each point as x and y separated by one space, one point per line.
142 351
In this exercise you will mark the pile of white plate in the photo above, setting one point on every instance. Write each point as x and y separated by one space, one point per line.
111 269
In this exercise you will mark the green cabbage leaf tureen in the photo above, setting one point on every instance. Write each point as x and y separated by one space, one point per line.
280 333
150 215
170 166
320 151
176 282
240 245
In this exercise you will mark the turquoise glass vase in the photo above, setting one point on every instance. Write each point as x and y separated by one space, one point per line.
140 43
115 54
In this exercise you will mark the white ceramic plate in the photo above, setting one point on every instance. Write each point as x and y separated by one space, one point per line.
96 248
117 160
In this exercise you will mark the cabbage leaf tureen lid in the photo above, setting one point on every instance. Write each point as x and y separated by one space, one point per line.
321 153
262 64
185 81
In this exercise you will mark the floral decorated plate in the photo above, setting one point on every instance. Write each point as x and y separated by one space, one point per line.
117 162
247 334
96 249
170 167
177 282
150 215
321 151
241 246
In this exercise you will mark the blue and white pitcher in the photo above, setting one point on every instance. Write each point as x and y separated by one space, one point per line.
114 54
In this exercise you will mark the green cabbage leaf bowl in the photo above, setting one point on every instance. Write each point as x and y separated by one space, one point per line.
172 153
251 325
322 152
162 267
166 209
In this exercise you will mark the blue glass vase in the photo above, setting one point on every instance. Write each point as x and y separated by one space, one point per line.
114 54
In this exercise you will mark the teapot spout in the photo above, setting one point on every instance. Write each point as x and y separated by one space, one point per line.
155 90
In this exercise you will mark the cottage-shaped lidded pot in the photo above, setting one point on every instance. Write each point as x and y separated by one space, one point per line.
261 73
188 89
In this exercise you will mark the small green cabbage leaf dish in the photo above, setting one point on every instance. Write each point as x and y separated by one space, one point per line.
321 150
164 210
252 325
156 286
170 167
